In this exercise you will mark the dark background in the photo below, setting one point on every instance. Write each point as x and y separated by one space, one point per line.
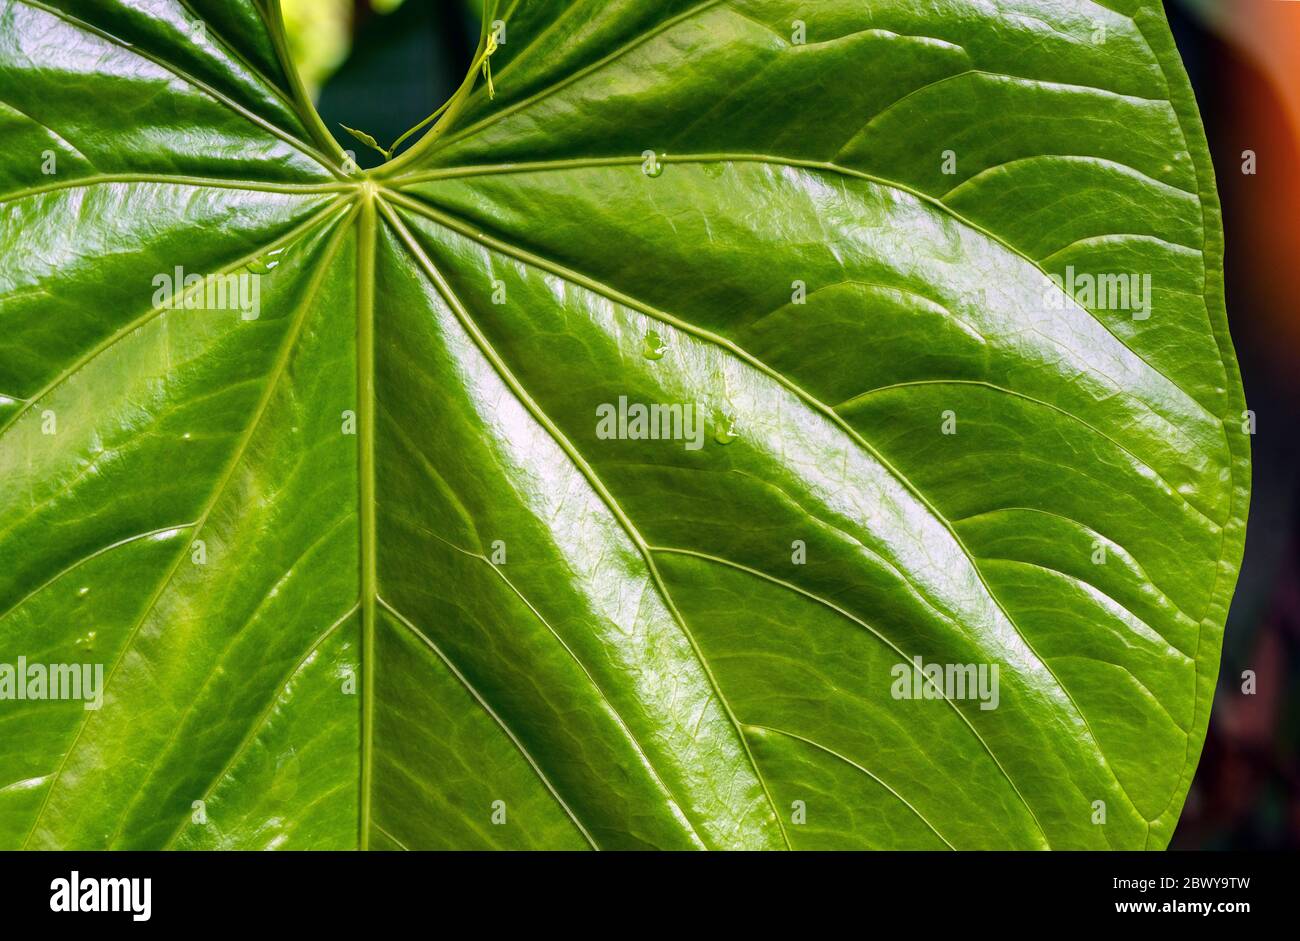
1244 60
403 65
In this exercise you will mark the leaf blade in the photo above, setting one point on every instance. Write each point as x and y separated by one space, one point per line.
647 663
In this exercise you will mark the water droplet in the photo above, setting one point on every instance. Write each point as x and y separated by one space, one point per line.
724 432
654 170
653 346
87 642
267 261
83 591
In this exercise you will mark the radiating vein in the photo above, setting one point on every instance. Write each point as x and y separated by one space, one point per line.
742 157
218 668
251 186
223 99
283 358
593 480
1171 490
604 698
113 339
257 724
581 73
853 764
850 616
469 687
103 550
611 294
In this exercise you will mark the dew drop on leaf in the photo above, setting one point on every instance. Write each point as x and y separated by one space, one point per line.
653 346
724 432
266 262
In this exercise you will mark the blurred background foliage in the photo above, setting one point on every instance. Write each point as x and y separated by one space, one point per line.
320 37
382 65
1244 60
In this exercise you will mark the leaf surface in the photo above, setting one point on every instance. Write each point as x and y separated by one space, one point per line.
364 571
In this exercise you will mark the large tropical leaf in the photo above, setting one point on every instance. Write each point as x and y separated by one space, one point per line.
362 570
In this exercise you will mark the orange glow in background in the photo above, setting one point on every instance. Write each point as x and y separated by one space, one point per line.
1257 107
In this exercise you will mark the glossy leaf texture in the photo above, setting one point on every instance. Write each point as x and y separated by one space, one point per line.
364 571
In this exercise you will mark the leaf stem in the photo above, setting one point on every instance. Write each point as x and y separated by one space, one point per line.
455 104
273 17
482 63
401 140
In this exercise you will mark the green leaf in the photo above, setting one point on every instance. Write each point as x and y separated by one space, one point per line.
362 565
366 139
